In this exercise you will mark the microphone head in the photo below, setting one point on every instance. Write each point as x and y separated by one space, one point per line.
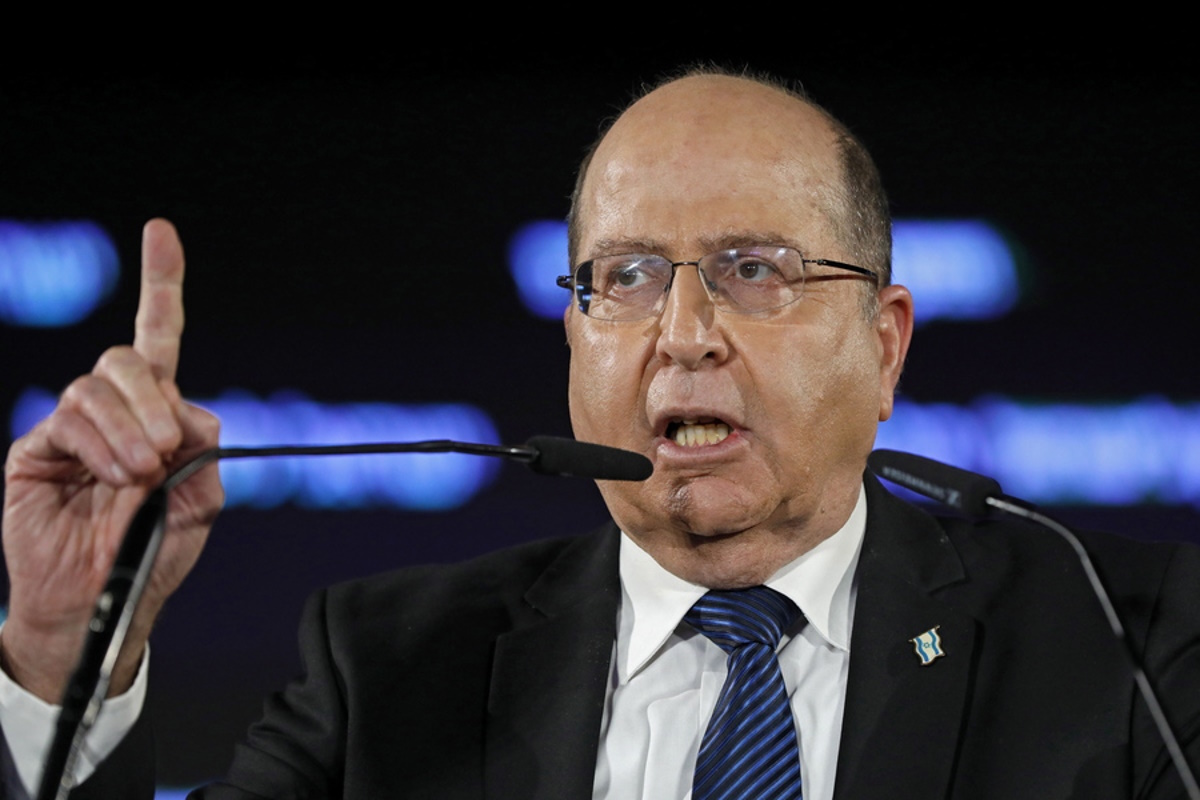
558 456
966 491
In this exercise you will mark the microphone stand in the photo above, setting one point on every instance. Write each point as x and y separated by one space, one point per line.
89 683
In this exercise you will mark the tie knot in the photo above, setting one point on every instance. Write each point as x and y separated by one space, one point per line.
741 616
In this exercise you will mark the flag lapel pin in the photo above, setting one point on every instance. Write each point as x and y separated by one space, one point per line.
928 646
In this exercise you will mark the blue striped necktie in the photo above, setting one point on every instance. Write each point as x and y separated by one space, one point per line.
750 748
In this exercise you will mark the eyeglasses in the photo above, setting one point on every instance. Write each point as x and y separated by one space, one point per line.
745 280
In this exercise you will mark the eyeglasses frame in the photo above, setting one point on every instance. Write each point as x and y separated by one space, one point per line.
569 283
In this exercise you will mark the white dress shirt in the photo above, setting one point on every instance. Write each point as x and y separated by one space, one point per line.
666 677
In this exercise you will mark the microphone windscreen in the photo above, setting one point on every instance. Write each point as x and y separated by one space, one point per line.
558 456
957 488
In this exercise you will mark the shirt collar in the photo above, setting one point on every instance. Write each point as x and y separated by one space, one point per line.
819 582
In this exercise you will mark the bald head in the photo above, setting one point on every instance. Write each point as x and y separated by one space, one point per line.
727 118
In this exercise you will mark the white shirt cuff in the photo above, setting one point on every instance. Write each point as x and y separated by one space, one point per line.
28 723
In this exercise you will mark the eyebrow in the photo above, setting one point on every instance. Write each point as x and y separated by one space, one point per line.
707 244
620 246
743 238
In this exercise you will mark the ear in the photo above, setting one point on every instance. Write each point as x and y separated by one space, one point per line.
894 326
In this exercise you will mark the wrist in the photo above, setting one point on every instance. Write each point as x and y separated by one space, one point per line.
45 673
38 663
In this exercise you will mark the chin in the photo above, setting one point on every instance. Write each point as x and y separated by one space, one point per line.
706 507
717 509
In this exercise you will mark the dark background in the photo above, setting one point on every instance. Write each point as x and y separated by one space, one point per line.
346 221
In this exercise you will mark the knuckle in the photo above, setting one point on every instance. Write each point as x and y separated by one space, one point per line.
80 392
117 359
206 421
14 455
167 444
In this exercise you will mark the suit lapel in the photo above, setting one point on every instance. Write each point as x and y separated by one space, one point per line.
902 721
549 675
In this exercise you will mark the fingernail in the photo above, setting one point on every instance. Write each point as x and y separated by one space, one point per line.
119 473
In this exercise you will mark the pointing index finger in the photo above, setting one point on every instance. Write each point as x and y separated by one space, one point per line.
160 305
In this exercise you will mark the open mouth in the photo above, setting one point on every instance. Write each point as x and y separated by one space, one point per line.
697 432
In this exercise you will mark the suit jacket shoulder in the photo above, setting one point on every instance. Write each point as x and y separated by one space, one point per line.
436 681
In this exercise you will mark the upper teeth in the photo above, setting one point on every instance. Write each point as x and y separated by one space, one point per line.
692 434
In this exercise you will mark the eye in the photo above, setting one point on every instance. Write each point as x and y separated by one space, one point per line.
627 273
754 270
629 277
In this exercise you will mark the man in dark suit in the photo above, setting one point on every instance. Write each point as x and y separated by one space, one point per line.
733 319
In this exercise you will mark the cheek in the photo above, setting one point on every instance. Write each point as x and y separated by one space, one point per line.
824 391
850 398
605 392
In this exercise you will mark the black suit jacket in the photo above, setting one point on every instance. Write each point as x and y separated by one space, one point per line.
487 679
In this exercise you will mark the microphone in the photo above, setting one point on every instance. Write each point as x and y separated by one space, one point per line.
557 456
966 491
976 495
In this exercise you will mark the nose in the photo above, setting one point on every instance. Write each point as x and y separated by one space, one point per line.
689 330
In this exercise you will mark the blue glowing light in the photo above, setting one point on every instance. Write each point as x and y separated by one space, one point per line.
956 269
54 274
537 254
171 794
1147 450
423 482
33 405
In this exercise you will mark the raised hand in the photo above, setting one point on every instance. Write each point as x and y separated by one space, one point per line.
73 483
